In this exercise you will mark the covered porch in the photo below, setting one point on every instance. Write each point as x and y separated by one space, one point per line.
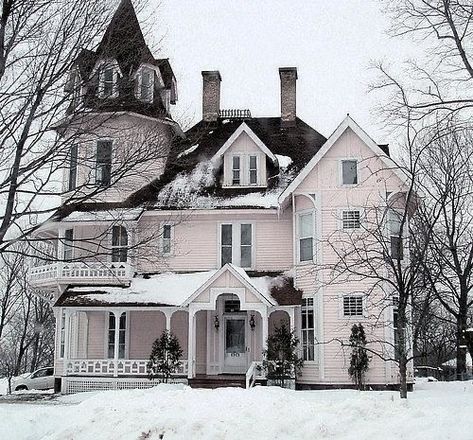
222 327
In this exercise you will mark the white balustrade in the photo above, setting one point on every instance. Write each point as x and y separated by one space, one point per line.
81 272
106 367
253 373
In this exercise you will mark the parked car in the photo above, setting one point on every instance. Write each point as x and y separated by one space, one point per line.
41 379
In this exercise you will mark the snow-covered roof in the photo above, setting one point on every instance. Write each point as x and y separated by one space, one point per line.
118 214
175 289
453 362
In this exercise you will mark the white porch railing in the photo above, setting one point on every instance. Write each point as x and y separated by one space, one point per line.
107 367
253 373
77 272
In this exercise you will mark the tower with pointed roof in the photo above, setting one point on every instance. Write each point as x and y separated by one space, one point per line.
120 95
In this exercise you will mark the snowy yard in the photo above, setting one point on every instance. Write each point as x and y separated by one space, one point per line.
434 411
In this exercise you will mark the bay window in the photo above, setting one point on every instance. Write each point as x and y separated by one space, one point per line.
308 329
306 236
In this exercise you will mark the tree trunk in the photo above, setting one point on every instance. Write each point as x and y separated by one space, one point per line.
401 333
461 351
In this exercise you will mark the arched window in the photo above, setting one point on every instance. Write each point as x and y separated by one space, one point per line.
119 244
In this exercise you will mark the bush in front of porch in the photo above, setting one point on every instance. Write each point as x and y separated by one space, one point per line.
165 356
280 359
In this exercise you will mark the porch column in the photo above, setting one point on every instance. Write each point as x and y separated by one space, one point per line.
292 323
168 315
264 332
117 315
60 245
191 344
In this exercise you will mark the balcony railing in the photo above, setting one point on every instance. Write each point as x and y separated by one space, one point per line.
110 367
81 272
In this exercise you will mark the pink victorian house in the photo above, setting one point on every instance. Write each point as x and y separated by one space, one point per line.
219 238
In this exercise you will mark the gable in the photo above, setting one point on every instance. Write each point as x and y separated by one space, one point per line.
347 141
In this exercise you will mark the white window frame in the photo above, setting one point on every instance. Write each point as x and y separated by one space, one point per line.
171 239
299 238
68 247
391 212
236 243
139 79
101 67
340 171
257 157
62 334
239 170
96 160
308 307
343 220
120 246
107 332
363 306
244 170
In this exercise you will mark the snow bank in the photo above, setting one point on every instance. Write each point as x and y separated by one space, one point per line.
436 411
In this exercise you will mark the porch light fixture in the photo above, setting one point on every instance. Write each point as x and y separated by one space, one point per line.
252 322
216 322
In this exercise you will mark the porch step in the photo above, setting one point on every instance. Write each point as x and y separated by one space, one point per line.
223 380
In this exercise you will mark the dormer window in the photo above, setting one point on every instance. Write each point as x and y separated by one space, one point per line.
253 170
236 171
109 73
146 84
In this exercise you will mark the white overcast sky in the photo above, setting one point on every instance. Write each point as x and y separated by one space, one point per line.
331 42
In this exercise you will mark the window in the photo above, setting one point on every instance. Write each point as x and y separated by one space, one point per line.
306 237
351 219
146 85
62 337
68 244
166 240
353 305
121 336
72 168
349 172
253 170
395 232
308 329
104 163
245 245
232 305
236 172
119 244
236 243
107 79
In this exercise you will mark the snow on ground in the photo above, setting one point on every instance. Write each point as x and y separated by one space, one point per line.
434 411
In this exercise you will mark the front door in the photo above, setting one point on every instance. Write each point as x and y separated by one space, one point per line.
235 355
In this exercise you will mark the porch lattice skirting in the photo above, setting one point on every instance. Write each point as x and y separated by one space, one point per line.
71 385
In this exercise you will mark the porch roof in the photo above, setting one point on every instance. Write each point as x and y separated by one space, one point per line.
173 290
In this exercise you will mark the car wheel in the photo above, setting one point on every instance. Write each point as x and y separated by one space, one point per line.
21 388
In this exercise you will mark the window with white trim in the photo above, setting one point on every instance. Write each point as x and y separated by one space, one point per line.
119 244
353 305
349 172
253 170
146 84
236 244
121 336
236 170
395 234
306 236
351 219
68 244
166 239
308 329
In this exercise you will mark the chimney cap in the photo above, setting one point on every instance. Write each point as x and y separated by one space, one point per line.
288 70
209 73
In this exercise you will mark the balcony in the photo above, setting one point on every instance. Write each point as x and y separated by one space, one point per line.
81 273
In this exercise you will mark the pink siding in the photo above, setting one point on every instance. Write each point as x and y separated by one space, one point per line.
201 342
144 328
96 335
179 327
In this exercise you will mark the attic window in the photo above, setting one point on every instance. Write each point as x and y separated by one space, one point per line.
236 170
108 79
146 85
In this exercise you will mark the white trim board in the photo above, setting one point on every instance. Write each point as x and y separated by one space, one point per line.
244 128
348 122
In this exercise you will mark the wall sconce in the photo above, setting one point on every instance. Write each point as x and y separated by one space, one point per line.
216 322
252 322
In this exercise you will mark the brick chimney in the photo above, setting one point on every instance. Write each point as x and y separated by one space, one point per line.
211 95
288 76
